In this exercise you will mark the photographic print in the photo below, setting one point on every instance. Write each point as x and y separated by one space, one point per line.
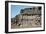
24 16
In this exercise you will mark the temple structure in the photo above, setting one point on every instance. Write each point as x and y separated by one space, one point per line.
29 17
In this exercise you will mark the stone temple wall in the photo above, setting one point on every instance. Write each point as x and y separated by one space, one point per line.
29 20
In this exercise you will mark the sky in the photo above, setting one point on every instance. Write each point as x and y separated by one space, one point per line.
15 9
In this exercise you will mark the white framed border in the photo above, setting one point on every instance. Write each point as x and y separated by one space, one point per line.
25 29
